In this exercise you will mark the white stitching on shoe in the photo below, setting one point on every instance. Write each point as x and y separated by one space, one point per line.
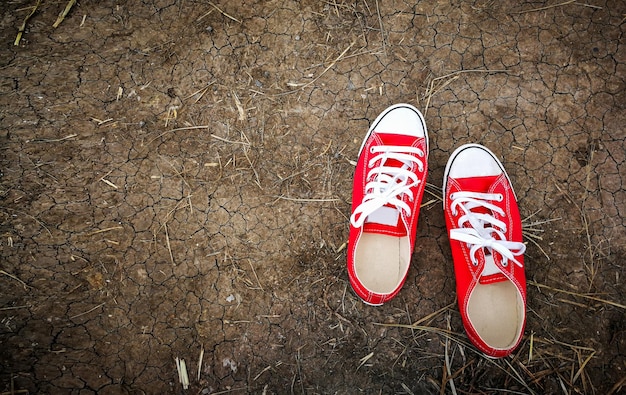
483 227
388 184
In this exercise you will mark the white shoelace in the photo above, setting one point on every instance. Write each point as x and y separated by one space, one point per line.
483 226
389 184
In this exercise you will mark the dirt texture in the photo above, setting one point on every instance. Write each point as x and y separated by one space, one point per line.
176 183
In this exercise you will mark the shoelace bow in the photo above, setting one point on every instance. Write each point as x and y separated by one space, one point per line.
483 226
388 183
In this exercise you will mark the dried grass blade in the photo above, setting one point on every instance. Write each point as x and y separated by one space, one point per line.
582 367
200 362
64 13
169 246
618 386
183 377
223 13
448 372
546 7
15 278
365 359
87 312
23 27
104 230
615 304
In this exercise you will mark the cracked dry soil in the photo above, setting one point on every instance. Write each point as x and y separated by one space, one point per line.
176 178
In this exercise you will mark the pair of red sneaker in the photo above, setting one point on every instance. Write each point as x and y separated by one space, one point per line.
482 219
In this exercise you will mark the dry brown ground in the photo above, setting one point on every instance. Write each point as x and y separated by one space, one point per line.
176 178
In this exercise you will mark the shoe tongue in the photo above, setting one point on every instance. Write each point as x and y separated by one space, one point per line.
476 184
491 272
394 140
386 215
385 220
372 227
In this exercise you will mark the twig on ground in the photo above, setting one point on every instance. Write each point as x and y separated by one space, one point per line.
433 314
179 205
365 359
70 136
538 246
109 183
618 386
558 5
177 130
383 34
15 392
22 28
428 203
87 312
530 347
615 304
447 370
530 231
265 369
200 361
16 279
30 216
101 122
299 368
245 152
172 114
255 275
223 13
64 13
13 307
181 368
352 55
238 389
104 230
201 92
407 389
517 376
306 200
546 7
178 173
333 63
167 243
228 141
433 191
580 371
240 110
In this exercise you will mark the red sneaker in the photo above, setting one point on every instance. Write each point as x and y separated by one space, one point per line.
389 182
485 234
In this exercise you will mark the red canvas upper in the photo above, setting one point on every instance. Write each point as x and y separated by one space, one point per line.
406 224
467 274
